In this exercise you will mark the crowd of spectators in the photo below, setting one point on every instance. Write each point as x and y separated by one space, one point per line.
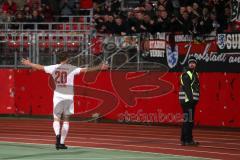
30 12
185 16
37 10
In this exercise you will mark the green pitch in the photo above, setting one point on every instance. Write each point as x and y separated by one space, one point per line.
21 151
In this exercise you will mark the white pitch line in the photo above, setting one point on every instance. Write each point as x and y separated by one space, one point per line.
113 158
96 127
114 126
136 146
143 132
116 140
147 131
135 136
108 149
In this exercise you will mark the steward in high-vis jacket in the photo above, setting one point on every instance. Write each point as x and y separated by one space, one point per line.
189 97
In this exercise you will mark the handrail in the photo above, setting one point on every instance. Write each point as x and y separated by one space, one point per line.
74 16
40 44
71 18
15 45
55 26
43 23
43 33
85 19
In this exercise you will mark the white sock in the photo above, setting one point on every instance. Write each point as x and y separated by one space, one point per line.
56 127
65 128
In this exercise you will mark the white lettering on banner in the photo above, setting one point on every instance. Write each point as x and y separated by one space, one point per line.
229 39
234 59
205 56
183 38
187 54
157 44
161 36
213 57
157 53
233 41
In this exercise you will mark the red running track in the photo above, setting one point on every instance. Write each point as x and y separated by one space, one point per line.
215 144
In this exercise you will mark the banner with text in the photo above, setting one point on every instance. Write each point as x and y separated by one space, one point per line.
219 53
214 54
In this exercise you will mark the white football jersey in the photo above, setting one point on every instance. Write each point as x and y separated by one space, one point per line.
63 76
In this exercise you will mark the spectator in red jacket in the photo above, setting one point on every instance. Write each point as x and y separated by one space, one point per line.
9 7
86 4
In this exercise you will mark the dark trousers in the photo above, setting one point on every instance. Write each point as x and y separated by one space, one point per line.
188 121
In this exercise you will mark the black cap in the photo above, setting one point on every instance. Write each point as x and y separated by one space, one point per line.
192 59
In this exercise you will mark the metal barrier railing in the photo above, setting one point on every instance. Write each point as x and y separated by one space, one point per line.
40 47
56 26
72 19
124 52
42 42
66 19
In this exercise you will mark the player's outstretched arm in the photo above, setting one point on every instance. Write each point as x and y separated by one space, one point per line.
101 66
27 62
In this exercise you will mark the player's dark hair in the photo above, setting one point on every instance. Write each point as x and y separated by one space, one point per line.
62 57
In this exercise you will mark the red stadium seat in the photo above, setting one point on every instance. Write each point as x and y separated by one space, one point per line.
72 44
57 44
75 27
81 19
13 44
44 45
26 44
